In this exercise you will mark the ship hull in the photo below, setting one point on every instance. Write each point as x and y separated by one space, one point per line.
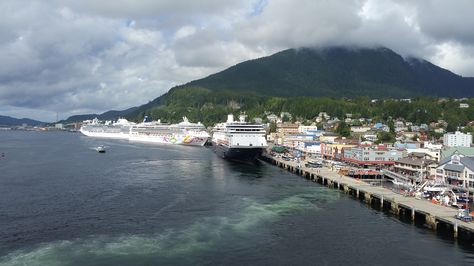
250 154
173 140
105 134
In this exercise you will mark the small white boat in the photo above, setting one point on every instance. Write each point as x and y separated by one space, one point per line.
100 149
436 187
399 183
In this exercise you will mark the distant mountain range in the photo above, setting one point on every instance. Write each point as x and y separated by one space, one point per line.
11 121
109 115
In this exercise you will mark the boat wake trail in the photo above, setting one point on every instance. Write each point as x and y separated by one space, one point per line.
172 245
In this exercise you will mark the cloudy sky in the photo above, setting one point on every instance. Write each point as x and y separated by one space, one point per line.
73 57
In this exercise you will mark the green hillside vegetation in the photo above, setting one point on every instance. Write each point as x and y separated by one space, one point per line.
339 72
209 107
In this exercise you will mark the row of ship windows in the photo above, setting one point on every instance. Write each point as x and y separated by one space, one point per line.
239 135
248 129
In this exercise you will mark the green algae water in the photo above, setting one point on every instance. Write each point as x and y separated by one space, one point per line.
62 203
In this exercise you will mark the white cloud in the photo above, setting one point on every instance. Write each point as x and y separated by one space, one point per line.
75 57
453 55
184 32
284 24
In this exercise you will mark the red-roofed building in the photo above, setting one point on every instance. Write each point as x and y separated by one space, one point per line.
372 155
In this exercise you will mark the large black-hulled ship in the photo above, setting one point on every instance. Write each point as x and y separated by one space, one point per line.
239 140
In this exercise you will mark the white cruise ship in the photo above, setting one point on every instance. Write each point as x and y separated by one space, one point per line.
184 133
117 130
239 140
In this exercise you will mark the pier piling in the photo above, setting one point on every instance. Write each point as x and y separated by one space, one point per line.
438 218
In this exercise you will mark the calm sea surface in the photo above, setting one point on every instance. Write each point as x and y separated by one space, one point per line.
62 203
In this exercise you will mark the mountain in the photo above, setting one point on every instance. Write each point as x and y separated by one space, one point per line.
109 115
307 81
11 121
339 72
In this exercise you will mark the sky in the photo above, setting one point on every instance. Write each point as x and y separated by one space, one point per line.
65 57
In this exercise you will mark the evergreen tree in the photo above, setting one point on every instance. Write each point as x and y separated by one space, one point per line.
343 129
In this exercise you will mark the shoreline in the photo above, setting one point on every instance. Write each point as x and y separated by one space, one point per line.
437 217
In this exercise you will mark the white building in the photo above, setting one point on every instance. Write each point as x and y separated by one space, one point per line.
457 170
457 139
307 129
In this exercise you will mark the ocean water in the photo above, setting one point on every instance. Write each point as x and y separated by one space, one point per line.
62 203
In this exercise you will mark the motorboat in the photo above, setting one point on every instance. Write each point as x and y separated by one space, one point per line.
100 149
436 187
400 183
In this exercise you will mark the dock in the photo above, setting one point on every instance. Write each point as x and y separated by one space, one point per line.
437 217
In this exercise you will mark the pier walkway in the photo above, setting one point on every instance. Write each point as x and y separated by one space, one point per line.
437 217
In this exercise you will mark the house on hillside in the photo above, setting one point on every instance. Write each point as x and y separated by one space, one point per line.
272 118
381 127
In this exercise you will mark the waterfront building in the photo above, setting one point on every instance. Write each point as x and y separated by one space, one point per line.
287 128
372 155
282 131
457 139
457 170
306 138
428 148
334 151
312 148
449 151
297 141
417 167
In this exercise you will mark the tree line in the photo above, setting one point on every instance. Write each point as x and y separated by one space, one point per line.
210 107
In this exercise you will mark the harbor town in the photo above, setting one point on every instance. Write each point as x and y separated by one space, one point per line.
237 132
419 176
418 164
416 175
416 161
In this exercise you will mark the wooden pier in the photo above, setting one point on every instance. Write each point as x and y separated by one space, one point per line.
437 217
